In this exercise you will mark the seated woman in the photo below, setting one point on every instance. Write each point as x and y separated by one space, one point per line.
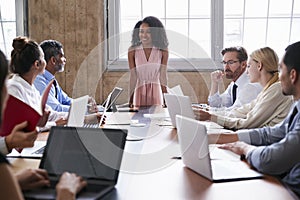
269 108
27 61
10 184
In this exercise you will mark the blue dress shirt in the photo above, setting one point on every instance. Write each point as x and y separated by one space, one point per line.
62 102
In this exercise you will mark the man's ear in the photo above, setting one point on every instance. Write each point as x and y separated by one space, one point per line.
294 76
53 60
244 64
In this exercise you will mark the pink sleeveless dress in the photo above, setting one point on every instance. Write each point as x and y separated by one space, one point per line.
148 90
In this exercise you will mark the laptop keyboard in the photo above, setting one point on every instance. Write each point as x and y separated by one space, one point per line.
39 151
91 125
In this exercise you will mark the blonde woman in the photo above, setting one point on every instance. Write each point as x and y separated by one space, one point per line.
269 108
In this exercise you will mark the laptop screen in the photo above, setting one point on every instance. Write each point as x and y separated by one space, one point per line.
89 152
114 96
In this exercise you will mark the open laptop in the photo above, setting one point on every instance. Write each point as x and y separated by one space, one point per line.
94 154
178 105
77 111
181 105
115 93
215 164
176 90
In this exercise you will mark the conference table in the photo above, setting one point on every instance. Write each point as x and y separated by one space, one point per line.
152 169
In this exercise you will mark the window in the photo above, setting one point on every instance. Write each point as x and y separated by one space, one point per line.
249 23
259 23
11 23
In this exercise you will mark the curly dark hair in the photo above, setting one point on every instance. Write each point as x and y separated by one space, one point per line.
135 41
158 33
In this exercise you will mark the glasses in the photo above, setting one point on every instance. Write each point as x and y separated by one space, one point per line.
229 62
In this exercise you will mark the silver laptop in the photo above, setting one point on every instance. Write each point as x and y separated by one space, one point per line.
33 152
176 90
215 164
178 105
98 124
115 93
77 111
181 105
94 154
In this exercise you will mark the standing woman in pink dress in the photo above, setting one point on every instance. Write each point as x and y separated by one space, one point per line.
147 58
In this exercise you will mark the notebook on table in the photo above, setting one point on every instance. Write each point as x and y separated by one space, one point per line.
94 154
209 163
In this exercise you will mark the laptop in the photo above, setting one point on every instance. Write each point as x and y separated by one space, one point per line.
77 111
181 105
115 93
178 105
176 90
98 124
94 154
210 163
33 152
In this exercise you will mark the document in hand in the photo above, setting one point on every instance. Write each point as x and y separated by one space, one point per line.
17 111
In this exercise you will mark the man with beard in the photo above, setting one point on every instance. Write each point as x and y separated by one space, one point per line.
240 91
274 150
56 60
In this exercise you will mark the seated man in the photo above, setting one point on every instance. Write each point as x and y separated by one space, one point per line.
58 100
238 92
274 150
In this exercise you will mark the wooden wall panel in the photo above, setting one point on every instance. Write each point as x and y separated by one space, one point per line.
78 25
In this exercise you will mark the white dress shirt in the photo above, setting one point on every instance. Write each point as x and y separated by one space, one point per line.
21 89
246 92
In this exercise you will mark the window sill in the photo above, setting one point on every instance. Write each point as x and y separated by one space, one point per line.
174 65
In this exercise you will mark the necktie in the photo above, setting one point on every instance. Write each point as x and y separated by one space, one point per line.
55 86
295 111
234 93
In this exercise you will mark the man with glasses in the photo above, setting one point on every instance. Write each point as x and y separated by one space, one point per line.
240 91
56 60
274 150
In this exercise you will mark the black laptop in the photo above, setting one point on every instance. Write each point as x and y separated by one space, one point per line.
94 154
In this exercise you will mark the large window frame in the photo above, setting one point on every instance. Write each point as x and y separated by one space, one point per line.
117 64
20 21
216 38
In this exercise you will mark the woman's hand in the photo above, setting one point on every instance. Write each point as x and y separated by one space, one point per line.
94 118
20 139
32 178
68 186
42 122
61 121
201 114
92 105
130 105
